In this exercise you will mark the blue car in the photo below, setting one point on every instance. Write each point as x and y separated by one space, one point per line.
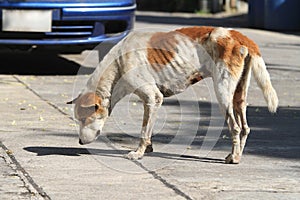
64 22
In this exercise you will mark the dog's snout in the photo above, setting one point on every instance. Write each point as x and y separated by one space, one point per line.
80 142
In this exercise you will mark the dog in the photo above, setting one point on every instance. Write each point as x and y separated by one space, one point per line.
160 64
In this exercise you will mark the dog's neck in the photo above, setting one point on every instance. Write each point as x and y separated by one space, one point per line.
103 82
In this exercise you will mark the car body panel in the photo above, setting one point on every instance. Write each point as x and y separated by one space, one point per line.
76 22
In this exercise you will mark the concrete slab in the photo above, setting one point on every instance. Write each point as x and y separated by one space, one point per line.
38 131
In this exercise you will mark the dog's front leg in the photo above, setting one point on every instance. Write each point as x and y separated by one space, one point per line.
152 102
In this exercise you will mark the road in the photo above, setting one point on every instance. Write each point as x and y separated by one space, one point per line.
40 157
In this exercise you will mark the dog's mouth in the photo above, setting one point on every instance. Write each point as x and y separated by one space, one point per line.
80 142
97 135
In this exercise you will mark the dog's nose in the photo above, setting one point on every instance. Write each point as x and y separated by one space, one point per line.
80 142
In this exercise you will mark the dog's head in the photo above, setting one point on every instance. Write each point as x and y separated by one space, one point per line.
91 112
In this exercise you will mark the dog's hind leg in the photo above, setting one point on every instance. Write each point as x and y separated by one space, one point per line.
240 105
225 85
152 99
235 130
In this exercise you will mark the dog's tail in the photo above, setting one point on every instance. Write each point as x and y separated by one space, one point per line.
262 78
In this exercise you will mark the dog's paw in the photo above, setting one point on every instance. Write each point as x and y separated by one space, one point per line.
231 159
133 155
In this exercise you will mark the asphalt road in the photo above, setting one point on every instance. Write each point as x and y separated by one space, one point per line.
40 157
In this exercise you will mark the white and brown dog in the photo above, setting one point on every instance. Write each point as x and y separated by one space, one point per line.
154 65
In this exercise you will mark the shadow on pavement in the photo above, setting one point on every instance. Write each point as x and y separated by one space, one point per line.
271 136
186 157
24 63
274 135
232 21
66 151
63 151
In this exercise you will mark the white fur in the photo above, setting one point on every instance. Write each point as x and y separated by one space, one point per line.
262 78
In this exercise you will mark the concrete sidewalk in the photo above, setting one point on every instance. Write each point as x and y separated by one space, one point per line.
40 157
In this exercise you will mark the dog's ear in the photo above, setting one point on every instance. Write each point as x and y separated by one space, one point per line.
74 100
90 100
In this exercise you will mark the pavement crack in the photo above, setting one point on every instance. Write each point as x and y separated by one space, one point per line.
151 172
162 180
42 98
27 180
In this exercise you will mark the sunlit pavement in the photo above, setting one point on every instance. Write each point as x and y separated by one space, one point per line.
40 157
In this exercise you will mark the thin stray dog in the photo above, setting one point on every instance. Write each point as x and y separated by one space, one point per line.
160 64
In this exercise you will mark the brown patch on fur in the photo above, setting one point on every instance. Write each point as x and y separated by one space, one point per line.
194 78
229 47
197 33
233 53
89 99
161 49
88 106
245 41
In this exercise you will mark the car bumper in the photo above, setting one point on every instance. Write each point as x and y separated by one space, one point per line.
76 25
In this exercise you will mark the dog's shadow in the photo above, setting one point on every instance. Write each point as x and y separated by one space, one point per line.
73 151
